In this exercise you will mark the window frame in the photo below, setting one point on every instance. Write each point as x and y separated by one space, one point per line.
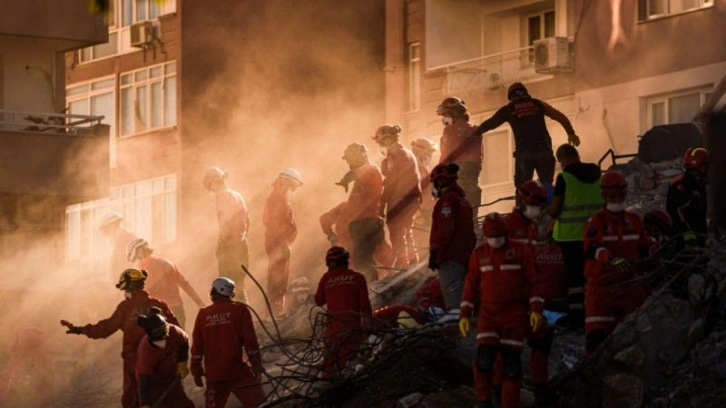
542 29
147 81
665 98
509 154
414 77
88 95
667 5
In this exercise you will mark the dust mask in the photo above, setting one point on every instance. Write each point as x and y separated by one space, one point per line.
159 343
127 295
447 120
532 211
497 242
615 207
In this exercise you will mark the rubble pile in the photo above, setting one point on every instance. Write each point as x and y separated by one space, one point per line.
648 182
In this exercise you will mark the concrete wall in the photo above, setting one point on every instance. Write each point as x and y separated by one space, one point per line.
30 74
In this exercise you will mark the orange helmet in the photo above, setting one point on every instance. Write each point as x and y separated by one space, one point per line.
494 225
452 106
386 131
533 193
613 181
445 171
696 156
336 255
517 89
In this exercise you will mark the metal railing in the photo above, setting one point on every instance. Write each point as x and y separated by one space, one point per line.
490 71
46 122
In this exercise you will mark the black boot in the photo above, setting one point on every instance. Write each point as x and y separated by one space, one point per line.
541 396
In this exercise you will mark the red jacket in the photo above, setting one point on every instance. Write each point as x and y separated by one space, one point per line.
365 196
165 280
234 220
521 229
551 270
430 295
345 292
387 317
501 278
402 182
609 234
427 199
221 332
335 223
459 146
160 363
280 227
452 228
124 319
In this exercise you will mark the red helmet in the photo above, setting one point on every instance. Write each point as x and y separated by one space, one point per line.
336 254
658 219
494 225
424 144
445 171
533 193
695 156
516 88
613 181
386 131
452 106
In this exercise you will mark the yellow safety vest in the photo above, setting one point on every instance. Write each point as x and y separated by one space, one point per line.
581 200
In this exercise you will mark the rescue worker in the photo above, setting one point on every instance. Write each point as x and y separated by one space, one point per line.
111 226
223 334
452 233
522 228
533 145
687 201
398 316
136 302
345 293
423 149
365 224
300 297
234 223
576 197
164 280
614 240
280 233
162 363
430 296
401 194
502 280
461 145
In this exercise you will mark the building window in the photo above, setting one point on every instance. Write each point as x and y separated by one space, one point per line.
540 26
414 77
140 10
650 9
149 208
498 165
97 98
676 107
148 99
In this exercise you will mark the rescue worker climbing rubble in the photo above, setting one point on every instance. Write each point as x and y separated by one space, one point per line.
614 239
162 363
502 280
223 334
687 200
344 292
111 226
136 302
234 223
280 233
461 145
452 233
164 279
401 194
533 145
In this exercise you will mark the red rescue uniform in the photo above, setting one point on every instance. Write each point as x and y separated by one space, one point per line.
452 228
345 292
387 317
503 282
280 233
364 200
160 364
222 331
430 295
234 222
124 319
401 198
459 146
606 235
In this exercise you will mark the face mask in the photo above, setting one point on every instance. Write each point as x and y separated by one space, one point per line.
159 343
532 211
497 242
127 295
447 120
615 207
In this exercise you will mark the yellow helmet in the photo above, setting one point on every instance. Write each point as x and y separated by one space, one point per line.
132 279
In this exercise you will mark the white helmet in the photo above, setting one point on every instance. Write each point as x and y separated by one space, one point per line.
213 174
224 286
110 219
133 248
291 174
300 284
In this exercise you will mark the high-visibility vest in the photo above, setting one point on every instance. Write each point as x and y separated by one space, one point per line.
580 202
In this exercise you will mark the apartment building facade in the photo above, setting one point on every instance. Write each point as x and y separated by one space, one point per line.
615 68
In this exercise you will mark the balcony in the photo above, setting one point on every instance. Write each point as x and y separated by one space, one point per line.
53 154
491 72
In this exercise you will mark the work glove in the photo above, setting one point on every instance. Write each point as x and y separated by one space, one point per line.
346 180
433 260
620 264
690 238
333 239
573 139
198 381
71 328
536 321
182 369
286 251
464 326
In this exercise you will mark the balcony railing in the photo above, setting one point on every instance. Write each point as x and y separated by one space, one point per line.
44 122
490 72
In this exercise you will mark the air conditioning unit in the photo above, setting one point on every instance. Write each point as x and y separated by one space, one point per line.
142 34
551 54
